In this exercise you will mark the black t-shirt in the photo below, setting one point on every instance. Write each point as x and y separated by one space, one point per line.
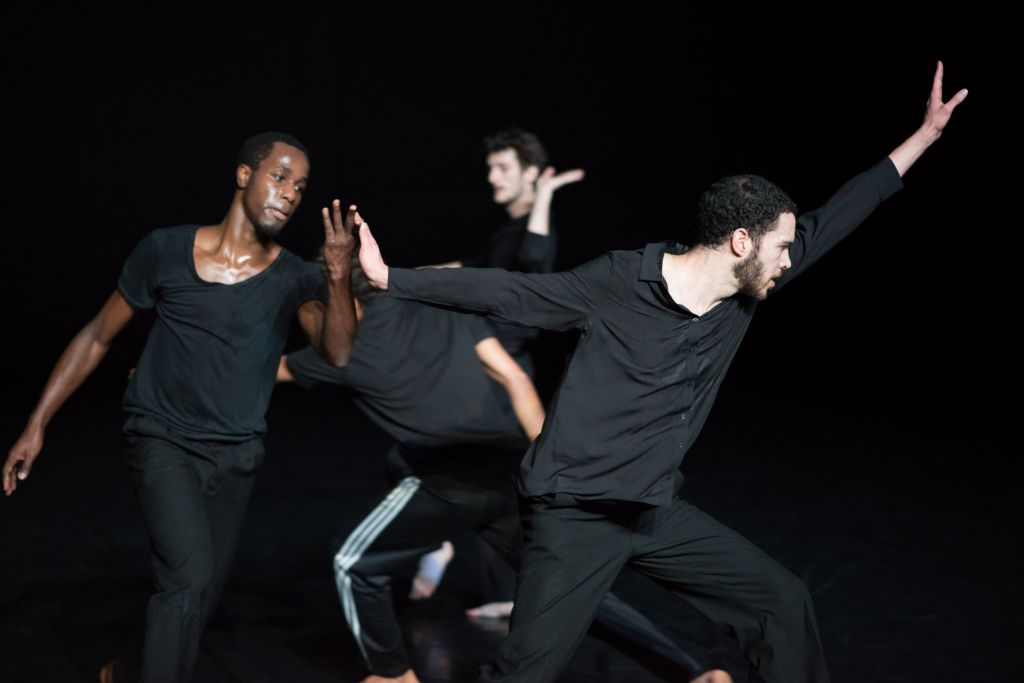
211 358
414 371
515 248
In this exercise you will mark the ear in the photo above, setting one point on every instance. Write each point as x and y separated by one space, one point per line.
242 175
531 174
740 242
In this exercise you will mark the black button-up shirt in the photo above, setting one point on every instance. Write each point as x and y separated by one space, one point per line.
646 371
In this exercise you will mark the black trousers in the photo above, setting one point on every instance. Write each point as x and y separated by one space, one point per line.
193 496
421 511
574 551
439 499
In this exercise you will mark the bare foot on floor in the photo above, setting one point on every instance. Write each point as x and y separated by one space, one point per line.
492 610
407 677
713 676
428 576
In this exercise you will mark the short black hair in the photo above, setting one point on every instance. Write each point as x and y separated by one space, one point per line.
526 145
257 148
739 201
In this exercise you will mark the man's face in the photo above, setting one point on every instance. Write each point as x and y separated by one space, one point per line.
507 177
274 189
757 273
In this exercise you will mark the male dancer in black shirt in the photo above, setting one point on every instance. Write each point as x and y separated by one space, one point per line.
660 327
461 412
524 185
224 296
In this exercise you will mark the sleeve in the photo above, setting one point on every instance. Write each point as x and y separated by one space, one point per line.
312 285
552 301
137 282
537 253
478 328
820 230
310 369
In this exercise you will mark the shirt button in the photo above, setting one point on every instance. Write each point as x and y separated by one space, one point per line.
683 417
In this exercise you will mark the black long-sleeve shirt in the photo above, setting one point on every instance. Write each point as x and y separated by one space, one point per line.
646 371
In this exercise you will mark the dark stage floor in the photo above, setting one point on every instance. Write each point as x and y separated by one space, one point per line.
906 531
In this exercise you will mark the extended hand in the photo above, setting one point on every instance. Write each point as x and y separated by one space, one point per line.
339 238
20 459
370 259
549 182
938 113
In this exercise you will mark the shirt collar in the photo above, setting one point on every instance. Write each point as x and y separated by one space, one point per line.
650 264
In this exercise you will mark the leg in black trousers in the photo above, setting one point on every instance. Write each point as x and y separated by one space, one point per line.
575 550
414 518
193 497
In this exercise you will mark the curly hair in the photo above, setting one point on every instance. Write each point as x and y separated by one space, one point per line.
739 201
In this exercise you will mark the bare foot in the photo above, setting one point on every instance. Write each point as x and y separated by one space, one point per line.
432 566
713 676
493 610
407 677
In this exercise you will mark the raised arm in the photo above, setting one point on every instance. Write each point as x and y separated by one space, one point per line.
547 183
537 248
503 369
555 301
820 230
79 359
331 328
936 116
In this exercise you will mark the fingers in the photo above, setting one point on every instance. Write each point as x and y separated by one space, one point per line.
957 99
328 227
937 82
351 218
336 219
573 176
15 469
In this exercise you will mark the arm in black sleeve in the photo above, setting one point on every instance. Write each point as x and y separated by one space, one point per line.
552 301
821 229
537 253
309 369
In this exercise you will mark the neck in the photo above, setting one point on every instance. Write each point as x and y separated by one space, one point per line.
521 205
699 279
236 234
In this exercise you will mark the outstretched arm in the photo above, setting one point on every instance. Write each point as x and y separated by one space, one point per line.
77 362
820 230
553 301
503 369
331 328
936 116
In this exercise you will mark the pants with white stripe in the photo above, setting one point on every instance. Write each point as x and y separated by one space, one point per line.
414 518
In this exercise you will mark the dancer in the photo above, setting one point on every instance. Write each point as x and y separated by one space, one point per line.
224 295
659 327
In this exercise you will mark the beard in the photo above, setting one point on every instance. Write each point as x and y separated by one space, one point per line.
750 274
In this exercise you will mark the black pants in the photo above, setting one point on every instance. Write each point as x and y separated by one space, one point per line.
575 550
420 512
439 498
193 497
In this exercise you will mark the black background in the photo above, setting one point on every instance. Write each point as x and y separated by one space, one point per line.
897 345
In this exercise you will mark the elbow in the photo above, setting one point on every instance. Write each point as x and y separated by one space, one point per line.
336 355
337 360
